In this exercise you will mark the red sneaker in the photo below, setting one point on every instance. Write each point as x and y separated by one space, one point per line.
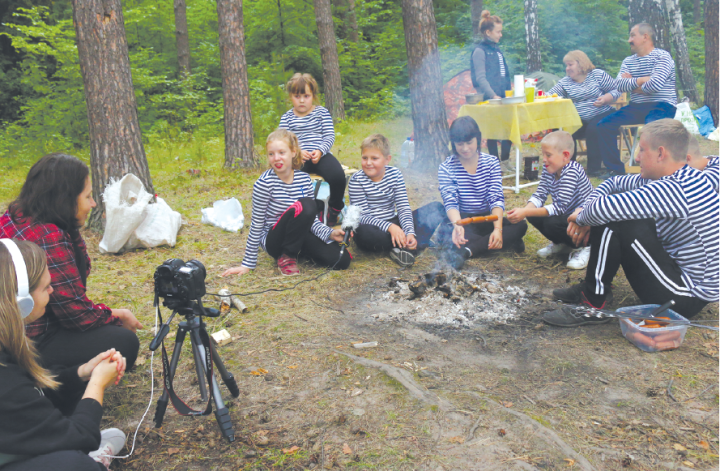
288 265
333 215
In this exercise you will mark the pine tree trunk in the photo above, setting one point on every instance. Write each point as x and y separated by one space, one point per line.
653 13
711 58
116 147
682 59
181 38
282 24
329 55
697 12
352 22
476 8
426 95
236 97
532 37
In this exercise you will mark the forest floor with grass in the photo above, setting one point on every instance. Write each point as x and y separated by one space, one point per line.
496 395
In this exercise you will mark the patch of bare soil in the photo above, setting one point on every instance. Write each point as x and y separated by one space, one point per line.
499 392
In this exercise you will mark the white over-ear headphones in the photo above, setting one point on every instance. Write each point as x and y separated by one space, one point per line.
24 300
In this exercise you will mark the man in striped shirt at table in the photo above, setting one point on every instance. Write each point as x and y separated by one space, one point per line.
708 165
661 226
387 223
649 74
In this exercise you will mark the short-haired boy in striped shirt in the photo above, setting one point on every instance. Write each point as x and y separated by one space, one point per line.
709 165
566 182
661 226
387 223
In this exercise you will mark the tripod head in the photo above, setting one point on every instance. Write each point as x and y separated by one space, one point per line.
189 309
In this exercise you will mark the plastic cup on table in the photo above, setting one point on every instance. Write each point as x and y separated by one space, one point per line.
529 94
508 93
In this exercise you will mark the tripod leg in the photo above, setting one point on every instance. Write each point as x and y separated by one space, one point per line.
199 365
226 376
163 401
222 414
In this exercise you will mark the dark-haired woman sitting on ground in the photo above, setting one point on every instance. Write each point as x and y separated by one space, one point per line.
471 185
54 203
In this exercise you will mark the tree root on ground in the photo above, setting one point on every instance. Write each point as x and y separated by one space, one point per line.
408 381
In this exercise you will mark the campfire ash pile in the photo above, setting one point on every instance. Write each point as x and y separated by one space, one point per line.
451 298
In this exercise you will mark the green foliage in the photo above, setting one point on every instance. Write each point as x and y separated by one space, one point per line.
42 85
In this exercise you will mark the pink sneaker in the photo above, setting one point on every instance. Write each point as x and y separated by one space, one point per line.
288 265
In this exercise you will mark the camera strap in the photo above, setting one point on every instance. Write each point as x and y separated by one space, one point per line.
178 404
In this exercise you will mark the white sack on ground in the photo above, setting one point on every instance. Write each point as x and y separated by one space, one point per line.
160 227
125 203
225 214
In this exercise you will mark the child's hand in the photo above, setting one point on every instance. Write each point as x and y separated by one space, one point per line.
516 215
338 235
458 236
86 369
104 373
306 155
398 236
411 242
315 156
236 270
496 240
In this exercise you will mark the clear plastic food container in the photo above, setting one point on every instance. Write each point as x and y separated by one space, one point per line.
650 339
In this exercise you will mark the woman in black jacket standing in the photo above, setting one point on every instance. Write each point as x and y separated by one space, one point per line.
490 73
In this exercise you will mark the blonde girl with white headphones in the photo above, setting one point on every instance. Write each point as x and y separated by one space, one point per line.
34 435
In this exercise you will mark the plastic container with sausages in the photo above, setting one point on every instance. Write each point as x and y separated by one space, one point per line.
653 337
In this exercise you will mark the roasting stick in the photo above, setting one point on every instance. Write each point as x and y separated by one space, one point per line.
475 220
594 312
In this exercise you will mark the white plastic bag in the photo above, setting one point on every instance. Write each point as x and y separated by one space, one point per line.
160 227
715 135
125 203
685 115
225 214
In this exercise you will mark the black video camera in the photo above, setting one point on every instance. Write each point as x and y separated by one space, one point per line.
178 282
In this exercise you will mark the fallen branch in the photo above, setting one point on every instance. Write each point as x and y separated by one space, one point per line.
471 433
669 391
703 392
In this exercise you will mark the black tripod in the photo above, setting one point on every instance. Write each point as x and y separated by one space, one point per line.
201 346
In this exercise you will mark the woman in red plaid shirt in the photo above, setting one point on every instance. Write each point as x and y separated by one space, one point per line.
53 205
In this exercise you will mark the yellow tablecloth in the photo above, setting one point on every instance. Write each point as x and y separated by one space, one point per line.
512 121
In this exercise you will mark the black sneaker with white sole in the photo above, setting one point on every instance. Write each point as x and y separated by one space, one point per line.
402 257
573 294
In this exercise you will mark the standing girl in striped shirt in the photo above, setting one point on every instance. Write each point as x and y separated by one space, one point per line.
566 182
313 126
284 214
471 185
591 90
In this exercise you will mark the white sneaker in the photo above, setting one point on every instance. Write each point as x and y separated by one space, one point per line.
579 258
552 249
112 440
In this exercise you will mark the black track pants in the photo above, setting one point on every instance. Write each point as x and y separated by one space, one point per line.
554 228
330 169
426 219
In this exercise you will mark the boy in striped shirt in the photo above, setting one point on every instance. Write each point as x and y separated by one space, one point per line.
649 74
566 182
708 165
661 226
387 223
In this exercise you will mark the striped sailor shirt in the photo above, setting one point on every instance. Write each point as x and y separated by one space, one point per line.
685 208
271 197
568 192
473 194
315 131
658 65
383 200
584 94
712 171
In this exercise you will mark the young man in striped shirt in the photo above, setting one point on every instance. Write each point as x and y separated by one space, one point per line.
708 165
649 74
661 226
566 182
387 223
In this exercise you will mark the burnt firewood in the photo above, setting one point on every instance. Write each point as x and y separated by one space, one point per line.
446 290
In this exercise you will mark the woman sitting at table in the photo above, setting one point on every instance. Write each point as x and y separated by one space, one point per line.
592 91
490 73
53 205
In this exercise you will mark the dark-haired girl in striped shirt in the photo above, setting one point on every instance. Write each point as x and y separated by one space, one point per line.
566 182
284 215
591 90
471 185
313 126
387 222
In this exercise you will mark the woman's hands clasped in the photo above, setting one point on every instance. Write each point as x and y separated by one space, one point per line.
113 368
